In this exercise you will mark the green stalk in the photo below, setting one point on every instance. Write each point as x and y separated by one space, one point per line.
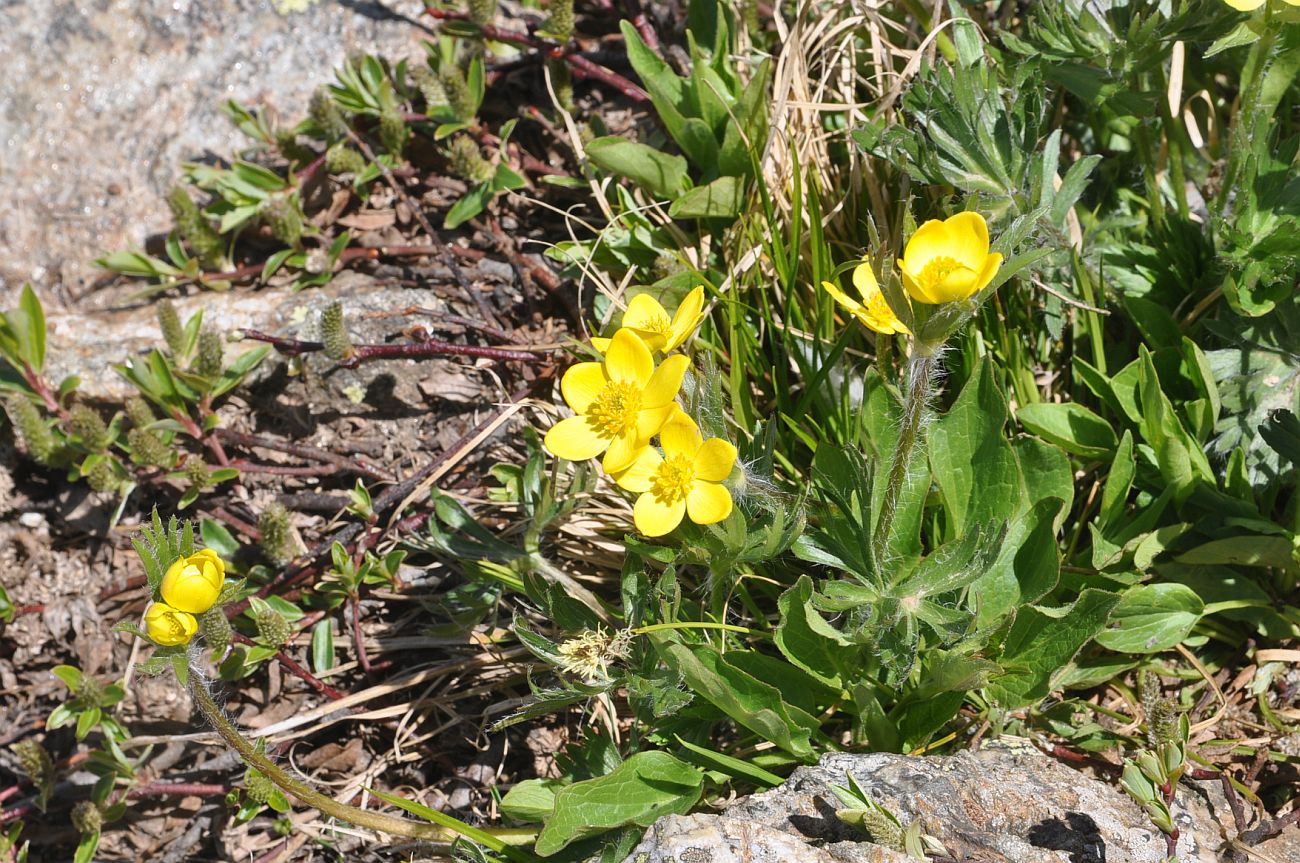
921 368
299 790
1247 119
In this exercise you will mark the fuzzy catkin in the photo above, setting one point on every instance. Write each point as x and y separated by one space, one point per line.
327 114
457 91
392 131
139 412
87 424
169 321
334 333
466 161
278 540
102 478
430 87
559 26
214 626
148 449
482 11
194 229
211 356
281 214
272 628
341 159
31 428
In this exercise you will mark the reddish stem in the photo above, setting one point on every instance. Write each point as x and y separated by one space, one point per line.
297 670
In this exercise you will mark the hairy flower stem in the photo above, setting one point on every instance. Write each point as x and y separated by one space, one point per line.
299 790
921 368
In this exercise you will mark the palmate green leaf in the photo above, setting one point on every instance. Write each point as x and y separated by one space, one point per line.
1150 618
639 791
1041 643
751 702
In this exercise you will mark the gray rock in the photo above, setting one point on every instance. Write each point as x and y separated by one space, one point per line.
101 101
997 805
88 341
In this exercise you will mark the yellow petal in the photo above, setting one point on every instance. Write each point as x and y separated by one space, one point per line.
191 585
851 305
968 237
575 439
913 287
600 344
650 420
929 242
714 460
662 387
582 383
708 503
623 451
654 518
681 436
168 626
958 284
1251 5
639 476
649 320
864 279
628 359
689 315
992 263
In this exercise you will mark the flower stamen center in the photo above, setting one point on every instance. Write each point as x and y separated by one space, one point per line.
936 270
615 410
660 325
673 479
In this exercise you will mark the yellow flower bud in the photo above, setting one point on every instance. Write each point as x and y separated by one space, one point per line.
169 627
192 584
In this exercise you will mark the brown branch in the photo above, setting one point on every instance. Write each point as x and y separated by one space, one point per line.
582 67
363 353
355 465
296 670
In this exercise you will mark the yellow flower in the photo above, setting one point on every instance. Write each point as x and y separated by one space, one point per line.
874 311
1252 5
168 626
685 480
649 320
621 403
192 584
949 260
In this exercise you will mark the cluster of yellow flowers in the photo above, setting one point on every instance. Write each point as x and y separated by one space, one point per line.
624 401
190 587
944 261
